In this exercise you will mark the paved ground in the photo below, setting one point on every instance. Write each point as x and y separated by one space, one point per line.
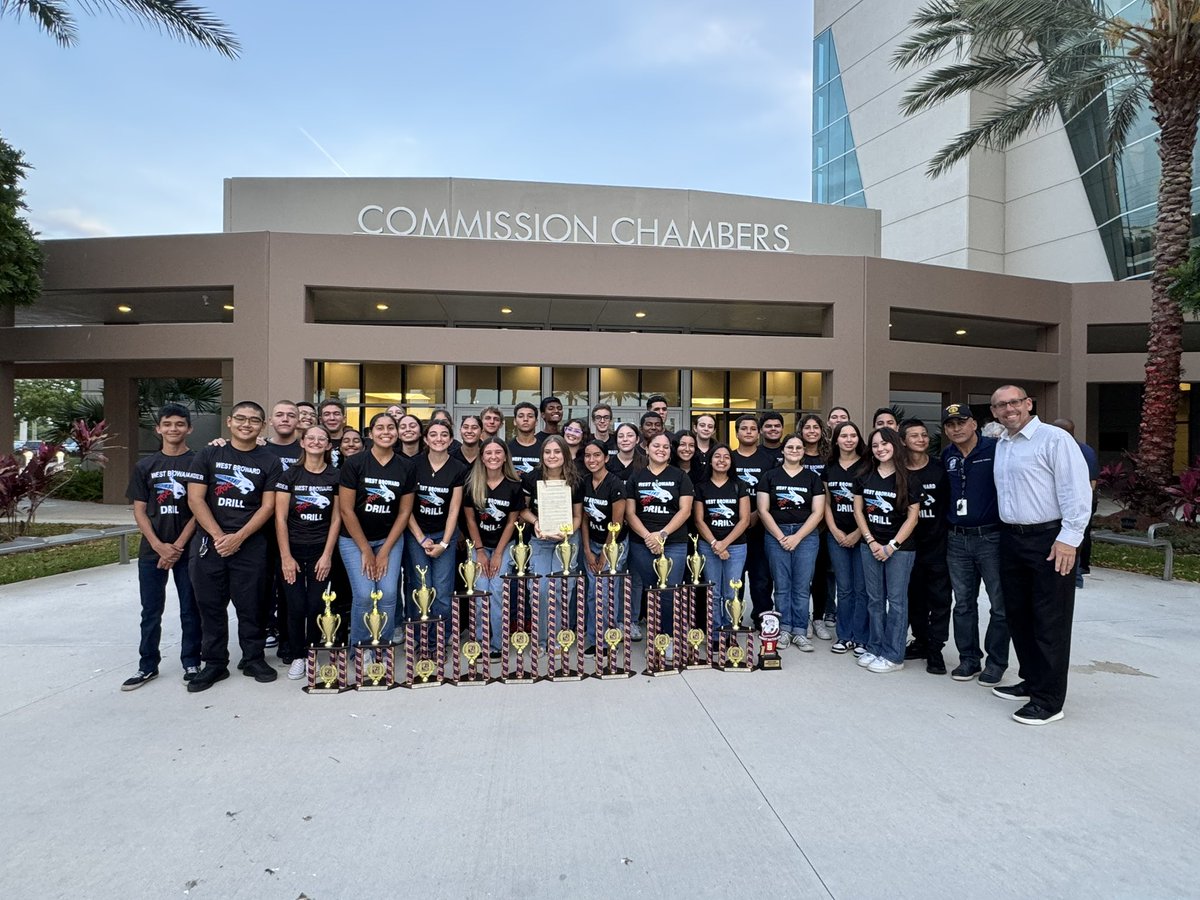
820 780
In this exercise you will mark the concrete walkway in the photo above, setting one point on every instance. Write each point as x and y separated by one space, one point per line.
822 780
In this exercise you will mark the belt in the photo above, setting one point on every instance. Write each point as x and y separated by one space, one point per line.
976 530
1037 528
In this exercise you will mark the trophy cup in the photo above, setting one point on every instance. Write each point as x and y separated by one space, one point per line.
662 568
660 643
731 656
768 642
697 654
469 570
424 667
612 550
695 561
566 550
521 595
331 675
479 628
520 551
560 588
379 674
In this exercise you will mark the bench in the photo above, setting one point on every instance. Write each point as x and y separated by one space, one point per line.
26 544
1143 540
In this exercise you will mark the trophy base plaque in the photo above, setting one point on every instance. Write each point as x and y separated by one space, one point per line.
732 656
330 678
378 675
517 679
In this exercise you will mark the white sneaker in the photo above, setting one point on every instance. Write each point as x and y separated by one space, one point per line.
785 640
297 670
801 643
635 632
821 630
883 666
866 659
859 650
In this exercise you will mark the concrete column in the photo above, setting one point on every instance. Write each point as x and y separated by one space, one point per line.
121 413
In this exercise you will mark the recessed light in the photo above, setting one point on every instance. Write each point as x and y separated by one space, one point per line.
125 309
381 306
228 307
506 310
961 332
639 315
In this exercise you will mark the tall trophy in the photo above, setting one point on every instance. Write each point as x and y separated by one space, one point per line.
331 676
473 650
380 673
695 561
566 550
565 591
520 551
424 666
521 596
662 567
614 625
768 642
611 549
731 655
696 594
661 658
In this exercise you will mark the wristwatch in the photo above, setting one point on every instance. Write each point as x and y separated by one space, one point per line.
892 543
443 545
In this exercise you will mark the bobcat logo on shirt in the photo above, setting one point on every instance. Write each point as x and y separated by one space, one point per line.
791 496
169 490
592 508
237 481
843 492
721 510
380 492
428 496
491 512
523 465
876 504
304 501
748 478
654 493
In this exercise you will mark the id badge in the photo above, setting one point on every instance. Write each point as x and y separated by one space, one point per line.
960 509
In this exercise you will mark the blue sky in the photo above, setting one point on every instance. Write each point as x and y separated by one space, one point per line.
131 132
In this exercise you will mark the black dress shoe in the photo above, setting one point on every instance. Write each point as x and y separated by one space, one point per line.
260 670
1032 714
207 677
934 664
915 650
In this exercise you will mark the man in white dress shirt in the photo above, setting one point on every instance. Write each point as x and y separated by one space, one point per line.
1045 503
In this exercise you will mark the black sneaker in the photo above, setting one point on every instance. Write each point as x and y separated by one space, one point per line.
241 664
494 655
935 664
190 672
132 684
207 677
589 650
965 671
915 650
272 640
260 670
1032 714
991 677
1018 691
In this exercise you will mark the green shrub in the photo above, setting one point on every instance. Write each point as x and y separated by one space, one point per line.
87 485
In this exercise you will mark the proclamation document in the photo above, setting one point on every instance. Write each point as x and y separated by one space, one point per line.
554 506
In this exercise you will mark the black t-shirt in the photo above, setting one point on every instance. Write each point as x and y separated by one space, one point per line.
529 486
935 487
657 499
750 469
884 515
840 482
814 464
377 491
525 459
791 495
237 480
721 506
288 454
431 506
160 481
506 497
776 453
622 471
598 505
311 498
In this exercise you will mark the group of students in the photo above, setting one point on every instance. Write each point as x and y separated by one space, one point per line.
825 525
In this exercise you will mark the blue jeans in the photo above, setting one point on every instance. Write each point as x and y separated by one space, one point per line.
851 592
792 573
439 576
720 572
152 585
971 557
361 587
641 568
887 601
544 560
495 587
590 580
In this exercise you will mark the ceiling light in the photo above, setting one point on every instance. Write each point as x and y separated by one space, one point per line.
125 309
961 332
639 315
382 307
506 310
228 307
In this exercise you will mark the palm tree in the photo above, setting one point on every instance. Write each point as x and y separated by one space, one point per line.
1055 57
178 18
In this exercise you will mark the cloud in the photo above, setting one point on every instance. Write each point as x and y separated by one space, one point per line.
676 36
69 223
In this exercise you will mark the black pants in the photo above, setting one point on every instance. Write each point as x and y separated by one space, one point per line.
304 601
216 581
758 573
820 580
1039 605
273 610
1085 549
930 597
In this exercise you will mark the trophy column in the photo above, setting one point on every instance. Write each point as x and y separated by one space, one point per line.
331 677
613 629
698 654
380 673
478 669
424 666
732 656
660 655
514 638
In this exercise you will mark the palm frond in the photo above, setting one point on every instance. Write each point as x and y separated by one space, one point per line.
1129 99
980 73
180 19
51 15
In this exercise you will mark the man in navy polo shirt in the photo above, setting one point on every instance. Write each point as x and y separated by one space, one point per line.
973 546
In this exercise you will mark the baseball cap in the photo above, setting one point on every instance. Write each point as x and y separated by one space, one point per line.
957 411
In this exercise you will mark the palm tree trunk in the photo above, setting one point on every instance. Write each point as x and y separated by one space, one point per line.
1175 100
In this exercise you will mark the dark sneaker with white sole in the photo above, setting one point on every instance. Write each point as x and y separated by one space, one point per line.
1032 714
1016 691
991 677
140 678
207 677
935 664
260 670
965 671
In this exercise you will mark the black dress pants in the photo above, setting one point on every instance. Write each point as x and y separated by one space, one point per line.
218 580
930 597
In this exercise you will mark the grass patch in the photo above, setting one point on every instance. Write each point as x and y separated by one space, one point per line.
1144 561
55 561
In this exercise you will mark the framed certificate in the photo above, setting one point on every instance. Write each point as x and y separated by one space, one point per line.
554 506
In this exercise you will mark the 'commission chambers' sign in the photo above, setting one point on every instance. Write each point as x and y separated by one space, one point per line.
563 228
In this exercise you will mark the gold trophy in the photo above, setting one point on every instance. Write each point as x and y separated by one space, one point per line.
520 551
731 653
471 650
612 550
329 622
612 637
662 568
375 620
328 676
424 669
735 606
565 550
424 595
695 637
469 570
735 656
695 561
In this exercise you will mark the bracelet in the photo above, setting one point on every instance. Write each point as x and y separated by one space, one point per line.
893 545
443 545
871 541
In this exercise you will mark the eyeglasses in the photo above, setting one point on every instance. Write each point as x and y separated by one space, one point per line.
573 431
1009 404
247 420
601 417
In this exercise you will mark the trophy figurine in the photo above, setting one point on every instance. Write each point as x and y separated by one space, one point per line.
329 622
375 620
424 595
330 678
520 551
662 568
734 606
379 673
565 550
695 561
612 550
468 570
768 652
